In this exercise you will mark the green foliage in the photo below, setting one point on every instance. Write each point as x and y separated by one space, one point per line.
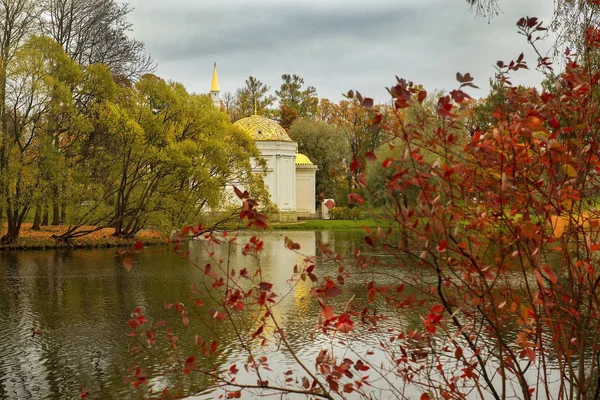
380 194
114 154
292 95
167 156
327 147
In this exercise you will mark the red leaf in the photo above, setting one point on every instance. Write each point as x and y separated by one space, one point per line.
442 246
551 276
371 156
138 246
354 164
258 224
421 96
258 331
367 102
265 286
437 309
239 193
387 162
327 313
127 263
355 198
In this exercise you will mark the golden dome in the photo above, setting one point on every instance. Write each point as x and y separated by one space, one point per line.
301 159
263 128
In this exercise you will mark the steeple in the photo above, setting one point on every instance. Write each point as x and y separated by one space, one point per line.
214 88
215 81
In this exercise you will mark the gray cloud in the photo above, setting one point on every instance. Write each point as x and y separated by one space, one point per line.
334 46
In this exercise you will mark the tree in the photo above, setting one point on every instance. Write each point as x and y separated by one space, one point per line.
96 31
17 21
229 101
356 121
254 98
157 153
326 146
38 84
292 96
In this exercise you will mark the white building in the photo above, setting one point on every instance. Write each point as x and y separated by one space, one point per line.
290 176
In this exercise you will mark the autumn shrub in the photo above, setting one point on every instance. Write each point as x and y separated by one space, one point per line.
497 255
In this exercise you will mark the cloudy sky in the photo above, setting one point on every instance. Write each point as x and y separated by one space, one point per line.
335 45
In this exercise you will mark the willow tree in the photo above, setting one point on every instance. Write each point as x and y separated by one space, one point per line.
38 82
156 154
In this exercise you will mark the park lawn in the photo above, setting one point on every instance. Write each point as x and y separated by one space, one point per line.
42 239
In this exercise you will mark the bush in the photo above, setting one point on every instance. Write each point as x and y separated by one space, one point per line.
345 213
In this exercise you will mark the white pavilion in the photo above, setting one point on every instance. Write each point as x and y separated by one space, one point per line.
289 175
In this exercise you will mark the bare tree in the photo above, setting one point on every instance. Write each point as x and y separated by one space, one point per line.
96 31
229 102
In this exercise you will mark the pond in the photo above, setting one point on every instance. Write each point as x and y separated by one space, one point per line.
79 301
65 312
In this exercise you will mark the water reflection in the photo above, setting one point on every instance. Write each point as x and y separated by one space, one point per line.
80 300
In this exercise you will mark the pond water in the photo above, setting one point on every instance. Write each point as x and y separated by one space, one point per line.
79 302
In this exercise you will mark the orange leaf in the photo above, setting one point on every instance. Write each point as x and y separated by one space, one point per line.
127 263
551 276
558 225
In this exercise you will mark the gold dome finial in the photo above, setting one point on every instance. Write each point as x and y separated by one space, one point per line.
215 81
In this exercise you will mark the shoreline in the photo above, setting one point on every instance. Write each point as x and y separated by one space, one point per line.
42 239
53 245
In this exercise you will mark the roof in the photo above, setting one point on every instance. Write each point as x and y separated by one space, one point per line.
301 159
263 128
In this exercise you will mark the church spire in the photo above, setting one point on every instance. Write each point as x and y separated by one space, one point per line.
214 89
215 81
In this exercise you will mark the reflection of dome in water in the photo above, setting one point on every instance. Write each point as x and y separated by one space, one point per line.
301 159
263 128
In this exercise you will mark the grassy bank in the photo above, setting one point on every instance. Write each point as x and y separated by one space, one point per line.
332 224
42 239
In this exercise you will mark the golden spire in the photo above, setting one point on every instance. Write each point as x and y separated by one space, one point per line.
215 81
255 108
